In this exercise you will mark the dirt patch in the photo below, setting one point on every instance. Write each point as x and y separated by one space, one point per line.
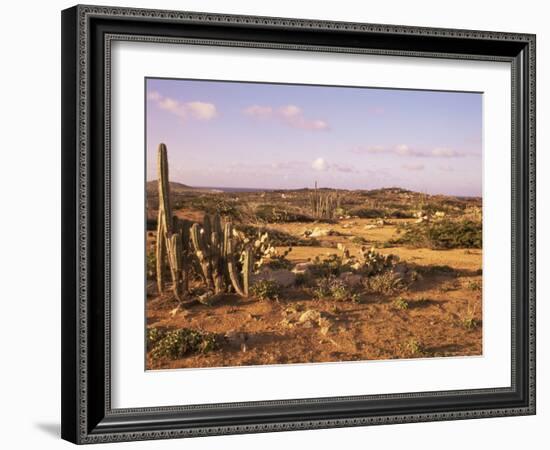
440 313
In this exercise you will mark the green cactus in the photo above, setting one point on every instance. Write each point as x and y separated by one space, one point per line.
224 255
324 205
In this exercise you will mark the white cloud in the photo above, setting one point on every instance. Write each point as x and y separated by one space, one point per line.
184 110
322 165
290 115
202 110
319 164
153 95
290 111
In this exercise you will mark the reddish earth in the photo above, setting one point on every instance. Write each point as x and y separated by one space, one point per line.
442 317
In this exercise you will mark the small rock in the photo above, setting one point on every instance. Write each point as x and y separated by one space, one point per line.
302 268
282 277
370 227
319 232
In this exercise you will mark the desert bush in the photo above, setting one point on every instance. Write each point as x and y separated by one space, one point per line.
474 285
400 303
332 266
444 234
273 214
470 323
336 289
413 347
373 262
358 240
385 283
175 344
278 238
367 213
400 214
215 204
266 290
266 255
468 319
436 269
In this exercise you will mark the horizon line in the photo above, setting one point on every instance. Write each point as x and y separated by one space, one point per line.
318 187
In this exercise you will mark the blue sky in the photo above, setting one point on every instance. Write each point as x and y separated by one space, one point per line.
273 136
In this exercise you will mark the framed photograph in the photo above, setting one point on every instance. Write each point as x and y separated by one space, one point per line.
279 224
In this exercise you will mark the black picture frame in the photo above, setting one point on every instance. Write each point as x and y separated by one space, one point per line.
87 416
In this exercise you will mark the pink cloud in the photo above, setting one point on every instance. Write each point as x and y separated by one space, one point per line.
184 110
290 115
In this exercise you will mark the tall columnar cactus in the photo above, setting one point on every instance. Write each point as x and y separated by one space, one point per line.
324 205
238 252
172 246
164 213
225 258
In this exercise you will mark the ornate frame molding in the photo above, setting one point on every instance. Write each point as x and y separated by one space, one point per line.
77 423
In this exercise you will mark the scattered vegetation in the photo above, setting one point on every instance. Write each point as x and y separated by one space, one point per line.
413 347
176 344
401 304
268 213
474 285
266 290
386 283
336 289
443 234
215 243
469 320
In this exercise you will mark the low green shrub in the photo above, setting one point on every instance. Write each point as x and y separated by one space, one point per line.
400 303
367 213
176 344
273 214
441 235
266 290
385 283
336 289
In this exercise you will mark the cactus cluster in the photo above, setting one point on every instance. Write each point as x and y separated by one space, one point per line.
226 260
266 255
369 262
324 205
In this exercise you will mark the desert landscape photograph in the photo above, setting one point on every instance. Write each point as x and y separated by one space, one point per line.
293 224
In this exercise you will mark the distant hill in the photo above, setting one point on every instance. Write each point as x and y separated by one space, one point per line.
175 188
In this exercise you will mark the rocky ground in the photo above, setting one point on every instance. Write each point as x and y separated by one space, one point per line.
434 310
